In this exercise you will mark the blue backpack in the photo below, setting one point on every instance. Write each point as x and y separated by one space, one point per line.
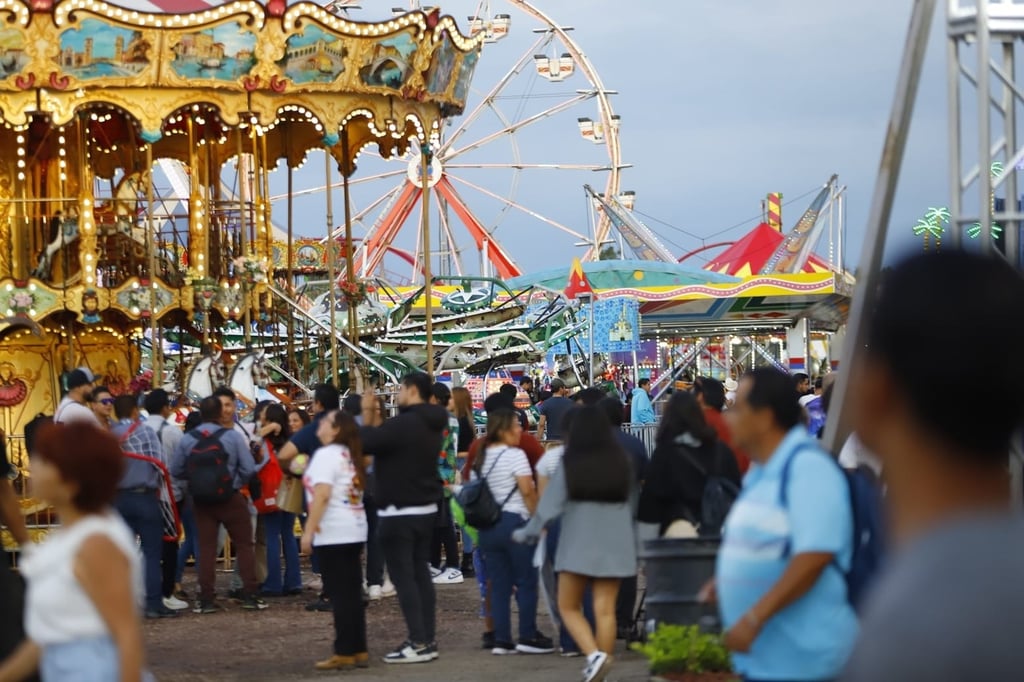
868 527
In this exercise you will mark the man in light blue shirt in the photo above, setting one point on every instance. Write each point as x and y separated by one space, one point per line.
642 411
780 577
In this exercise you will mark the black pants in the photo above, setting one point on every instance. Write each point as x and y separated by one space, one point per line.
625 607
343 579
12 607
374 556
406 544
168 567
444 537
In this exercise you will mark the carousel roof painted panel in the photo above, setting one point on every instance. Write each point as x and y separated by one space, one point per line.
254 63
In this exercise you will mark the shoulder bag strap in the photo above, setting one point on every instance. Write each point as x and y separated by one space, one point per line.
515 485
129 432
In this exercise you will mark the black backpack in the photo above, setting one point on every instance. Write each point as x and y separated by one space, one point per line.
719 495
210 480
477 501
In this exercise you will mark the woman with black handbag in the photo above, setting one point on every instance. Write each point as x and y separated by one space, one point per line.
509 478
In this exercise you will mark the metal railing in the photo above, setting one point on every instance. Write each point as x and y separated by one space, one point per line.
645 432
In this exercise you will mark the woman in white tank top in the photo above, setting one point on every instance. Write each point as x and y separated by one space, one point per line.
85 581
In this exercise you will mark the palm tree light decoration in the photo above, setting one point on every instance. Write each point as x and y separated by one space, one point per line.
974 231
932 225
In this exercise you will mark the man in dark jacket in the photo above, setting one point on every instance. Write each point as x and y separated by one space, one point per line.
405 450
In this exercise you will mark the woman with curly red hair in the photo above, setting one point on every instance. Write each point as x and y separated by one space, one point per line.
85 581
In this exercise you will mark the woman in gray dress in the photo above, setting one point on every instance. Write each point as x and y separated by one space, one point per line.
592 493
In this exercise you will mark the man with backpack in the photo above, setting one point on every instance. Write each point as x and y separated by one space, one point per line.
787 544
216 462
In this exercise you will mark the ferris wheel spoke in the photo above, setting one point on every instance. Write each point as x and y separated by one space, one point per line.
358 217
468 120
456 252
337 185
520 207
530 166
519 125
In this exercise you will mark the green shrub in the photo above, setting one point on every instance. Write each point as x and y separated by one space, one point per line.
682 649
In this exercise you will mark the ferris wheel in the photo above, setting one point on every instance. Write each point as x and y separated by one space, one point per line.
507 176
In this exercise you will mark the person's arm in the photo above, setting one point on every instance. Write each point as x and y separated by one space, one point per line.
246 463
529 492
321 496
10 513
21 664
550 507
104 573
178 469
542 424
378 440
800 575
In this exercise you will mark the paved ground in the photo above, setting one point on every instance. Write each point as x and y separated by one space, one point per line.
282 643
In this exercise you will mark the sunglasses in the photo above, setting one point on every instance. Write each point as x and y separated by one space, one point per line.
107 401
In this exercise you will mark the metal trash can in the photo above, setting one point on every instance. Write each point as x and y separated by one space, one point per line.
676 570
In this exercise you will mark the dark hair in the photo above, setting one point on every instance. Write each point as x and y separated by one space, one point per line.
643 382
352 404
224 392
590 396
509 390
421 382
497 401
569 417
211 409
303 415
683 415
327 396
348 436
713 393
94 394
259 408
193 420
498 422
275 414
596 466
614 410
776 391
124 405
526 380
543 395
85 455
156 400
913 334
441 393
826 398
819 382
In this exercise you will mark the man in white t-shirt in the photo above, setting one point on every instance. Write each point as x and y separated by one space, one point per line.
74 407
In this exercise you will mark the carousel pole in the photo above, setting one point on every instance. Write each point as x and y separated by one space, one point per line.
243 231
350 275
330 267
156 343
290 273
426 157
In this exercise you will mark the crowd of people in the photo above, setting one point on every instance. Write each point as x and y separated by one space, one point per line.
420 496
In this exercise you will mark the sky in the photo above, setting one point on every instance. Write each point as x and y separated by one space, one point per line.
720 103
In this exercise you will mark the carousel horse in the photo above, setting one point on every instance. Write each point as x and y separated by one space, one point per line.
249 378
206 374
67 233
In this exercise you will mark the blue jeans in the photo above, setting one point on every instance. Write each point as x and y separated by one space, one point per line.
141 511
83 660
510 564
279 527
565 640
190 547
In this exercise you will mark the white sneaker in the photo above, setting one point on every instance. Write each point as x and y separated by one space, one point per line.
388 589
375 593
175 604
434 572
449 576
315 583
597 667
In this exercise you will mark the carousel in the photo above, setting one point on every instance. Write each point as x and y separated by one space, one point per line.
95 269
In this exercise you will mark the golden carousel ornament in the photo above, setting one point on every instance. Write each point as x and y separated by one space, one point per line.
95 97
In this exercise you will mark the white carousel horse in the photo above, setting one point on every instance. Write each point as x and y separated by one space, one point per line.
206 374
249 378
67 233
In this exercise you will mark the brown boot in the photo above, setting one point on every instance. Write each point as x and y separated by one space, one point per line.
362 660
336 663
